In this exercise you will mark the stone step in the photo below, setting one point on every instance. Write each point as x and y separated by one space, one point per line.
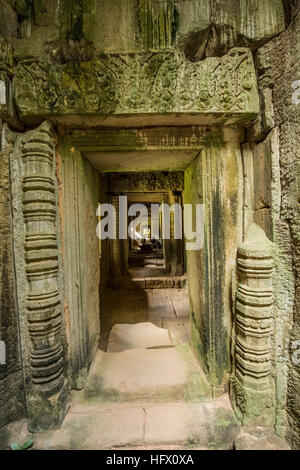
208 425
135 283
139 335
157 375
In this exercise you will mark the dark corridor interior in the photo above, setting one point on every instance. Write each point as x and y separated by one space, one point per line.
142 277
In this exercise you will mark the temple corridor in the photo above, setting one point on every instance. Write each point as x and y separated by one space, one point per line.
149 224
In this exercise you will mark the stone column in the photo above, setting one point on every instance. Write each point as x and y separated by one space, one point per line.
125 246
167 245
176 244
116 258
252 387
39 277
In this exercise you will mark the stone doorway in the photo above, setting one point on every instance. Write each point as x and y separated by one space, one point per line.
191 163
142 280
153 281
179 114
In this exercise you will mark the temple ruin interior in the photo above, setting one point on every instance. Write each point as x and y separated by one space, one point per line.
143 340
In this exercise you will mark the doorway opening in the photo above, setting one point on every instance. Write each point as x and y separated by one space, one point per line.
143 277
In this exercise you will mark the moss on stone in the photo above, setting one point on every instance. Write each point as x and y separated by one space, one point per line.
157 25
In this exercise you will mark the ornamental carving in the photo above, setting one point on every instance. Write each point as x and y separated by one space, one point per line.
138 84
252 388
37 265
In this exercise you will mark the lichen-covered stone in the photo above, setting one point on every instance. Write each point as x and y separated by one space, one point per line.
214 179
211 28
259 438
278 68
201 28
157 83
146 182
158 23
6 56
8 20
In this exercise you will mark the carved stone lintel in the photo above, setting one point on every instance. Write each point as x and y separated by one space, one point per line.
37 267
252 388
137 84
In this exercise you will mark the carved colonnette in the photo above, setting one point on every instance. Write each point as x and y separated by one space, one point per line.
252 385
37 262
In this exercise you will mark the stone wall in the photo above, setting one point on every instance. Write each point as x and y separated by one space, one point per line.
146 182
79 199
275 144
76 30
215 180
12 399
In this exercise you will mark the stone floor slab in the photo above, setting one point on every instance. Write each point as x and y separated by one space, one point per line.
94 426
96 429
211 424
139 335
146 374
134 306
179 329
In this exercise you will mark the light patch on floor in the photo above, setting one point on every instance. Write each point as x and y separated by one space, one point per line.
139 335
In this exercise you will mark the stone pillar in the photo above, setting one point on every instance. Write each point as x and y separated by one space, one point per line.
125 247
167 245
38 275
176 245
116 253
215 179
252 388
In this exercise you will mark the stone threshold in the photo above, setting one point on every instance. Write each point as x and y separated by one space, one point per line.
207 425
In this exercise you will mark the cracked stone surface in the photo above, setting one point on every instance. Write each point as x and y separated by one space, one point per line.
206 425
